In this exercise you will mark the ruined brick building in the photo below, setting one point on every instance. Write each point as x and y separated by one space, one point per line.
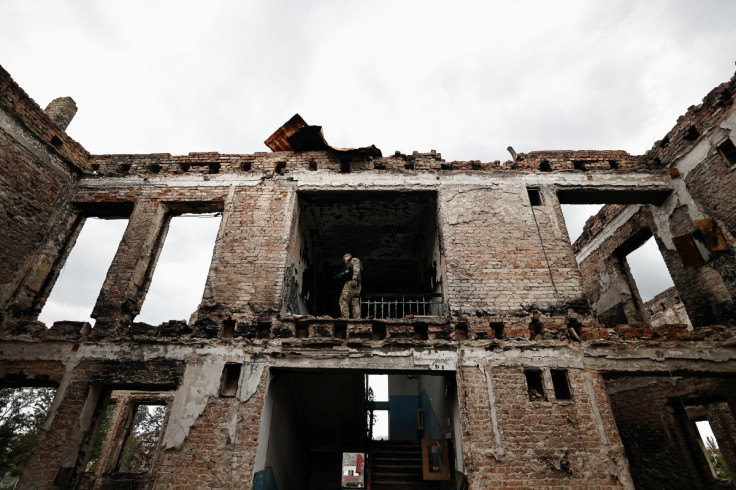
515 358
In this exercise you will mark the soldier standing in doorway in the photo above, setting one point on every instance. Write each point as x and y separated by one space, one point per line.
350 295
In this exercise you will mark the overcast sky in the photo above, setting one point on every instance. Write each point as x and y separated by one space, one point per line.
467 79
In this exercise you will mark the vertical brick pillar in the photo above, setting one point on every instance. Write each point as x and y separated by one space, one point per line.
131 270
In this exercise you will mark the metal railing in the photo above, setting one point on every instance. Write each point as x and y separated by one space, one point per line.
400 305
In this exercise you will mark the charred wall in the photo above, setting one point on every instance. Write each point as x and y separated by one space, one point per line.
659 436
489 236
39 166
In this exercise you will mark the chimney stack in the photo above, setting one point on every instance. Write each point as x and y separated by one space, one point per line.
62 110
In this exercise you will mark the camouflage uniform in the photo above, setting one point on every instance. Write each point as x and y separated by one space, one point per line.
351 295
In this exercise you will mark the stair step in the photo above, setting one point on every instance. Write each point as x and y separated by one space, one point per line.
390 485
397 465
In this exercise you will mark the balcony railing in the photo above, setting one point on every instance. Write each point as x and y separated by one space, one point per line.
400 305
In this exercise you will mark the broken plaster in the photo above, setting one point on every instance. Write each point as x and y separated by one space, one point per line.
200 382
488 376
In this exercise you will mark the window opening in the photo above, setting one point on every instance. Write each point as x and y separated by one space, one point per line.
379 384
728 150
142 438
579 165
576 215
380 425
561 384
653 281
534 385
535 197
74 295
712 451
181 271
22 413
230 379
395 237
100 438
544 166
649 270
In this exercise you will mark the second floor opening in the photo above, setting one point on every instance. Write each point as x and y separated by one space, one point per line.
395 237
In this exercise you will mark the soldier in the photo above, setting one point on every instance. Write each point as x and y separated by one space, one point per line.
351 290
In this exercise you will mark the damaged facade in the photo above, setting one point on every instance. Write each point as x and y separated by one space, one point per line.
525 360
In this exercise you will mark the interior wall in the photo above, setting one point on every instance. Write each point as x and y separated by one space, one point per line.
660 442
285 455
403 402
299 281
394 234
435 405
314 418
407 394
34 210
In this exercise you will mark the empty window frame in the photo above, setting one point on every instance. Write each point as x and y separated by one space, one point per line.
378 386
74 295
712 451
561 384
728 151
181 271
230 379
535 385
535 197
142 437
22 413
576 215
651 279
649 270
100 438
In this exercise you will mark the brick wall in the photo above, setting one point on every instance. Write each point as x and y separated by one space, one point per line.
578 449
659 440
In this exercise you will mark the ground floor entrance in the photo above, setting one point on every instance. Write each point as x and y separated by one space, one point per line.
353 429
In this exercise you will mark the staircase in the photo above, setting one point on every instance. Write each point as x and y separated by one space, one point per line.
397 465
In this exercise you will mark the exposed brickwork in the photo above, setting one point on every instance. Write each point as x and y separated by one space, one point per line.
652 420
61 110
211 457
704 118
666 308
14 100
515 296
574 450
595 224
34 196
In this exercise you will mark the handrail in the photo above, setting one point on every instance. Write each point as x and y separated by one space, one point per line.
400 305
